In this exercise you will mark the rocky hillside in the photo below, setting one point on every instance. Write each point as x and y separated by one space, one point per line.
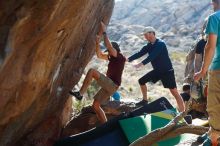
163 15
177 22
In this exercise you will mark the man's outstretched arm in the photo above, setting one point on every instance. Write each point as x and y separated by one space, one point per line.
137 55
151 57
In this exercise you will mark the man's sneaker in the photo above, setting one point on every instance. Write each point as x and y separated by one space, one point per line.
142 103
76 94
202 138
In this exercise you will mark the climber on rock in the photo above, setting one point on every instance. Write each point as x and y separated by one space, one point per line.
111 81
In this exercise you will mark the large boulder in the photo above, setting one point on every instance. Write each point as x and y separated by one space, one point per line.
44 48
87 118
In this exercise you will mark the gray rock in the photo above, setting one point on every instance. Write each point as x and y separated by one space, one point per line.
179 18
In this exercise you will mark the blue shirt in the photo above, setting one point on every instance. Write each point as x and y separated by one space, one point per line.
213 26
158 56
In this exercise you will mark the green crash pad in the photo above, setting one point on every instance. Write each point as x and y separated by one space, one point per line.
139 126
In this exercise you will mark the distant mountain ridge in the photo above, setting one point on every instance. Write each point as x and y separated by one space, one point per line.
177 22
161 14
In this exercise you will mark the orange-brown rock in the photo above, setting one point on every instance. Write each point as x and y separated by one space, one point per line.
87 119
44 48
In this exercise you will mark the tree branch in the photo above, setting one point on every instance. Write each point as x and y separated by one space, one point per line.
169 131
172 129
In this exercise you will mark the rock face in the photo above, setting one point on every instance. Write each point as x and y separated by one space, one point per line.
44 48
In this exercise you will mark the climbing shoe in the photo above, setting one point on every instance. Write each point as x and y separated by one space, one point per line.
142 103
76 94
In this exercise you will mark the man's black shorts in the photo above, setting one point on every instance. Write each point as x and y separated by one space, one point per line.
167 78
